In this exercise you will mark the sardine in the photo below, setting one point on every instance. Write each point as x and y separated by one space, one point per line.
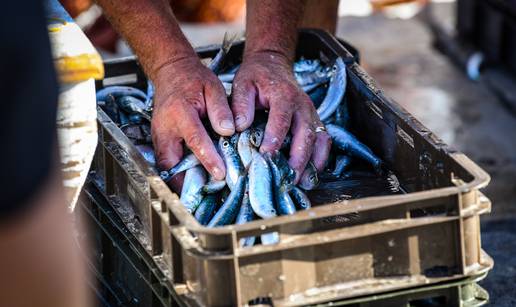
304 65
309 179
206 209
234 167
318 76
257 134
342 114
191 194
233 69
216 63
260 187
269 238
229 209
133 105
213 186
245 214
186 163
228 88
342 162
336 91
348 143
245 148
286 142
284 202
119 91
148 153
318 94
226 77
302 201
149 101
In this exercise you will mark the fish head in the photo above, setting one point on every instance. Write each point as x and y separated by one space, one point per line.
256 137
225 144
309 179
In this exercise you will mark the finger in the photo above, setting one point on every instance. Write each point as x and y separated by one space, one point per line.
197 139
243 103
323 145
303 138
278 124
169 151
218 110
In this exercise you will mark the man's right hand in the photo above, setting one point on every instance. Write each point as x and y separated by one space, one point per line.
186 92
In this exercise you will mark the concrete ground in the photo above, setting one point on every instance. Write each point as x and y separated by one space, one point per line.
398 54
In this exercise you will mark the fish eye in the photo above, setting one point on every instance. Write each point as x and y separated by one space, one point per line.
225 144
313 178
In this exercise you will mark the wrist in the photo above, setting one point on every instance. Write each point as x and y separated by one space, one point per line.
279 58
172 64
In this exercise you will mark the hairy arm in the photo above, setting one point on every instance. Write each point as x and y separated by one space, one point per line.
265 80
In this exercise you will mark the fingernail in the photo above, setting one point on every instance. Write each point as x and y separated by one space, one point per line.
227 124
240 120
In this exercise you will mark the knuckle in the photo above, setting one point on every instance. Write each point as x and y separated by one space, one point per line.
193 140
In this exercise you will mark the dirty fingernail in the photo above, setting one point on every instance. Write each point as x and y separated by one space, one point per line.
227 124
240 120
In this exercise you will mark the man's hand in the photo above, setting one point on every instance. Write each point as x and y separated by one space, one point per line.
186 92
265 80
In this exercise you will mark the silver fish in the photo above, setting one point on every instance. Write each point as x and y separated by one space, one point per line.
216 63
260 187
269 238
336 91
284 202
186 163
191 194
226 77
304 65
352 146
229 209
228 88
309 179
302 201
245 148
257 134
149 101
342 162
206 209
214 186
245 215
148 153
234 167
133 105
111 92
318 76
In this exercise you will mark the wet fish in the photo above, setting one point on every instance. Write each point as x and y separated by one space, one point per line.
233 69
284 202
245 215
348 143
191 194
245 147
149 101
119 91
318 94
216 63
304 65
309 179
318 76
226 77
336 91
206 209
228 88
257 134
229 209
269 238
133 106
186 163
213 186
342 162
282 173
234 167
148 153
286 142
260 187
342 114
302 201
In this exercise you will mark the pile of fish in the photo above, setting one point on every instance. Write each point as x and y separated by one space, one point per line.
257 186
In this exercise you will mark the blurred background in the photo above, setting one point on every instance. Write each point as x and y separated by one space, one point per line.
452 72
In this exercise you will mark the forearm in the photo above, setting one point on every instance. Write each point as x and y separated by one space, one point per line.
151 30
271 26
